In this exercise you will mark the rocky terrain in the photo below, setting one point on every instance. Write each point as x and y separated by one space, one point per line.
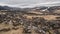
30 21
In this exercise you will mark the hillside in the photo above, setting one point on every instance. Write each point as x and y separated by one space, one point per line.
30 21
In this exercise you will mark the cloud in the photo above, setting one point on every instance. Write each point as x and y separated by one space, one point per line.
28 3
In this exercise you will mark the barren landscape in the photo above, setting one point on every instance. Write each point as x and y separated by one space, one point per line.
27 21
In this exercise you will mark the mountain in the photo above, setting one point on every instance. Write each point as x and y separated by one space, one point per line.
9 8
53 8
5 8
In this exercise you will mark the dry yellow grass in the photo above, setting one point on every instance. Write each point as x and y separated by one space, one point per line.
12 31
47 17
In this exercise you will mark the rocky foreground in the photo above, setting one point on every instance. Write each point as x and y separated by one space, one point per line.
22 23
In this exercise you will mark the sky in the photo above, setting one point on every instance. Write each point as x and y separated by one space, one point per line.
28 3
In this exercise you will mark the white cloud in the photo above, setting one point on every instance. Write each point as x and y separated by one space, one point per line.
28 3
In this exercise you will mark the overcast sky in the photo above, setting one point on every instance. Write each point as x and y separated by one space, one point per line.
27 2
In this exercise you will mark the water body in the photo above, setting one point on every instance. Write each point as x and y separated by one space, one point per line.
30 3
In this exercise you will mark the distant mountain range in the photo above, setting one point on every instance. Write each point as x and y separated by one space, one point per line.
8 8
28 9
5 8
